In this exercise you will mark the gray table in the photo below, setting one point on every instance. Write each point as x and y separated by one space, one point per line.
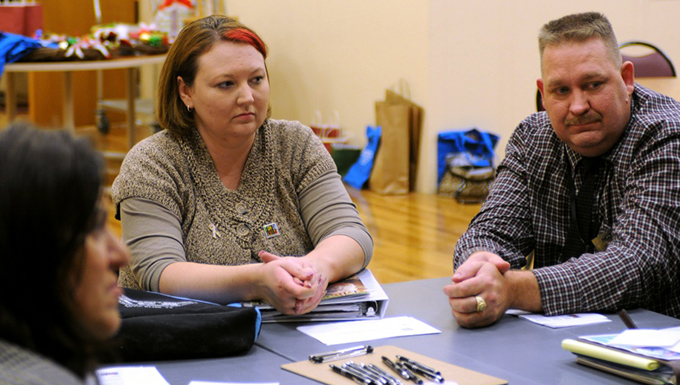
513 349
257 365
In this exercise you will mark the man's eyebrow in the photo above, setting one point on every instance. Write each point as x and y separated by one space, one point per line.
594 75
553 82
558 81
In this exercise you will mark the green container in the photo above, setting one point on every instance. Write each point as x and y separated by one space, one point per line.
344 156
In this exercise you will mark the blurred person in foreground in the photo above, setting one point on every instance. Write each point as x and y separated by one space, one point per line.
59 261
615 247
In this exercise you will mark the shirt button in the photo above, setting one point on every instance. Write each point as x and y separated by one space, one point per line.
241 208
242 230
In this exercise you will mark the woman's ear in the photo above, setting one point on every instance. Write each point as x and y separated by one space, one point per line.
184 92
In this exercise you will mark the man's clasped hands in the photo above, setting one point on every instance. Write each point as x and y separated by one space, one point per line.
486 279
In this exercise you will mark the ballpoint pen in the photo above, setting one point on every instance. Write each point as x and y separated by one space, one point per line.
411 376
375 375
393 380
340 354
395 368
418 364
425 373
354 377
360 370
623 314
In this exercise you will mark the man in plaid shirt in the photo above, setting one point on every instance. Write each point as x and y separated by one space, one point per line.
595 113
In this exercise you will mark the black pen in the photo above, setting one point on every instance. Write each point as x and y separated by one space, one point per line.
410 374
393 380
351 376
395 368
349 365
377 375
623 314
418 364
425 373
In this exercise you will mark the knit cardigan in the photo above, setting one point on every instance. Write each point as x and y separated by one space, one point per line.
228 227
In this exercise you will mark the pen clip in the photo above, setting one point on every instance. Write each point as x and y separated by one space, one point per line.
341 354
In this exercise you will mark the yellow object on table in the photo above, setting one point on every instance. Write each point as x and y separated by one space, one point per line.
611 355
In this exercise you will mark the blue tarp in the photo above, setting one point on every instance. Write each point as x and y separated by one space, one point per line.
13 47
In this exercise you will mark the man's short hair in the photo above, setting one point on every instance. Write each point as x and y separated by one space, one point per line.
579 27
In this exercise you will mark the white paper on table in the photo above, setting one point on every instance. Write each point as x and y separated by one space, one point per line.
130 375
345 332
561 321
646 338
231 383
675 348
516 312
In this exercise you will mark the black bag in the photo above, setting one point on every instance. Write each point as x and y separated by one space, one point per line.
160 327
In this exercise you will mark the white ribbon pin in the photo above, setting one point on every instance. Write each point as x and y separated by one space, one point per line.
215 233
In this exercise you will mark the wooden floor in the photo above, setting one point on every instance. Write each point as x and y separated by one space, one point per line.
414 234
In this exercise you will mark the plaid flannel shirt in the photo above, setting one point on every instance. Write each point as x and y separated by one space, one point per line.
638 202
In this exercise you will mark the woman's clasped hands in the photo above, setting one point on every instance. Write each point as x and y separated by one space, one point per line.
292 285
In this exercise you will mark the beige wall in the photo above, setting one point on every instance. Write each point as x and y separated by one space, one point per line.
468 63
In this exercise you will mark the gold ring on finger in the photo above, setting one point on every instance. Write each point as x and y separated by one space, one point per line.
481 304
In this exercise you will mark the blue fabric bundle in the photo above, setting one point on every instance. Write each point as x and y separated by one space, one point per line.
476 148
360 171
13 47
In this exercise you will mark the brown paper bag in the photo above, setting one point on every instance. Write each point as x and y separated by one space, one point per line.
390 174
415 129
396 161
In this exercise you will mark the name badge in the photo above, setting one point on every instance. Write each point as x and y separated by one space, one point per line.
602 240
271 230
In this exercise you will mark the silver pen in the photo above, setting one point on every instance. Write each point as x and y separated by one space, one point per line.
340 354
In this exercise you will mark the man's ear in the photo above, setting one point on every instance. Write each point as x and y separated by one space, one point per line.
628 76
539 84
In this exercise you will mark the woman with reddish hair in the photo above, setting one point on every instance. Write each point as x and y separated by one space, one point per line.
226 204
